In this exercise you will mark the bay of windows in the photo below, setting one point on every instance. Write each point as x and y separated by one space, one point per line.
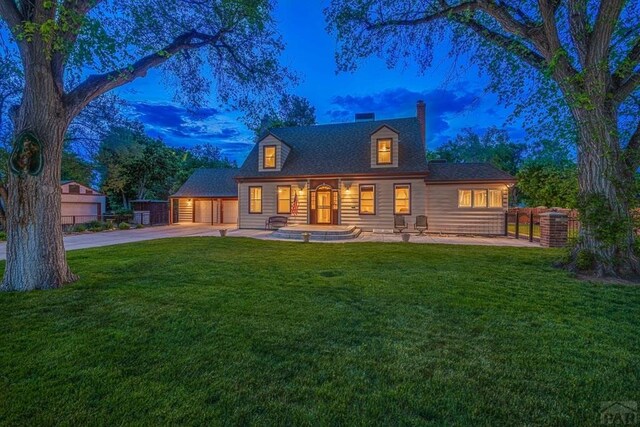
480 198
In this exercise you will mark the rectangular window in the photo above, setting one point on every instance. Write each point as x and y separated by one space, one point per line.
464 198
479 198
74 189
495 199
269 157
384 151
255 200
284 199
402 199
367 200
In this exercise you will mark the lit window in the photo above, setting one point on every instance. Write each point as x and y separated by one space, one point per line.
479 198
495 198
255 200
269 157
367 199
402 199
464 198
384 151
284 199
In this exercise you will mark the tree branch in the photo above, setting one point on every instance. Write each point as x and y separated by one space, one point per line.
71 16
578 27
625 88
96 85
600 40
10 14
511 45
633 150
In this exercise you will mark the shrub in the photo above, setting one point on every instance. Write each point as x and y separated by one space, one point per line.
79 228
124 226
3 236
139 226
97 226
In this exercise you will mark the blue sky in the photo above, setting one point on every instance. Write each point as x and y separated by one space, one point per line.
455 96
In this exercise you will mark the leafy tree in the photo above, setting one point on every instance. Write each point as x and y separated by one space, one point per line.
135 166
200 156
73 51
542 183
292 111
495 147
581 56
75 168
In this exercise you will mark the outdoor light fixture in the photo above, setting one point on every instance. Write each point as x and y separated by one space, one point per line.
188 202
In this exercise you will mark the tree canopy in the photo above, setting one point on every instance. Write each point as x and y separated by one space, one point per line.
494 146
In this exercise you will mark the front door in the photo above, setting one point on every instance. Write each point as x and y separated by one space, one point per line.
323 206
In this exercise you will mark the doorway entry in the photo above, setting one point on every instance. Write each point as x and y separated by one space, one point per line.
324 206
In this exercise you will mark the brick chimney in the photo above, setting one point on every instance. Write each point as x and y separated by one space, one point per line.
421 115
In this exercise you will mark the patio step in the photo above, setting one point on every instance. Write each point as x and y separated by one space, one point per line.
318 233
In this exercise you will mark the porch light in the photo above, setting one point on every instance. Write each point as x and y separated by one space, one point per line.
188 202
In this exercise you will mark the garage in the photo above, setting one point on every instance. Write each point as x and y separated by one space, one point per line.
80 204
209 196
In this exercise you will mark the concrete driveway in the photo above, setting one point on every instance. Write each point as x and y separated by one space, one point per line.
116 237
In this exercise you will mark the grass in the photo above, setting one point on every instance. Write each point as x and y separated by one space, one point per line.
211 330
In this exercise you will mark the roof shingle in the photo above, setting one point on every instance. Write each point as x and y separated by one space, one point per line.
342 148
210 183
466 172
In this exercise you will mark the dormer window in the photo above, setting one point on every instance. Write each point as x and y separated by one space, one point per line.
384 156
269 157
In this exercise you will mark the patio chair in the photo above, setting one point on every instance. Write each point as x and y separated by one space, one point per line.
399 223
421 224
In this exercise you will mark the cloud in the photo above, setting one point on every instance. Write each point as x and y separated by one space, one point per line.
178 126
448 110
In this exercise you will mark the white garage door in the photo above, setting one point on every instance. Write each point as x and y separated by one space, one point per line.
230 211
206 211
79 209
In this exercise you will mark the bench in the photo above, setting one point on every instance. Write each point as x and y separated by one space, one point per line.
275 222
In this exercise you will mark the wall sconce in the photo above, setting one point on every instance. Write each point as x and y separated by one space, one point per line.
301 187
347 187
188 202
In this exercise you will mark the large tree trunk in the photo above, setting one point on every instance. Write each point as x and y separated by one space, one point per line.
606 242
35 252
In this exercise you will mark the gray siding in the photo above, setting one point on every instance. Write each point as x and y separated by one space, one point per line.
269 203
446 217
383 218
349 203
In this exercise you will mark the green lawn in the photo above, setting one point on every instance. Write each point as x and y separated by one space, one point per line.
211 330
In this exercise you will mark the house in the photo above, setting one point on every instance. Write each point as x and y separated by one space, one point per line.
358 174
81 204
